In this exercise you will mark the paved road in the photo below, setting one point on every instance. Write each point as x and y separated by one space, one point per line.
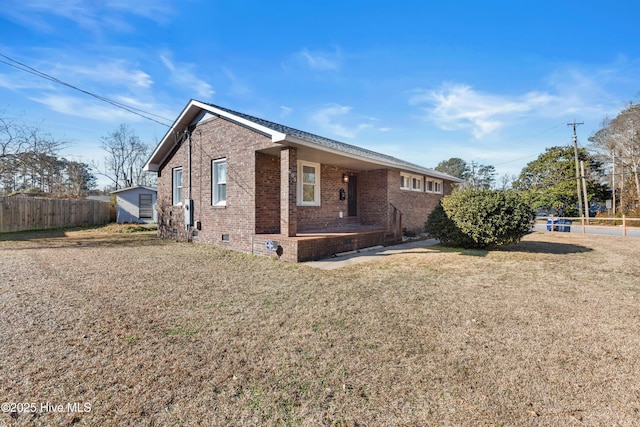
611 230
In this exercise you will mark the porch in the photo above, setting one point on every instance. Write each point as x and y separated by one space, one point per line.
319 244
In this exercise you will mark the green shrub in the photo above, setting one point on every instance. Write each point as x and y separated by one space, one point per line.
471 218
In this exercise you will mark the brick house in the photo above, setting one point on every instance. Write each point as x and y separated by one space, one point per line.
236 181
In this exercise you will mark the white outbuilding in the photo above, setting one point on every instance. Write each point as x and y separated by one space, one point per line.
136 204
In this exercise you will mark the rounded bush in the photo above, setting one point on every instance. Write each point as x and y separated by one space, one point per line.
472 218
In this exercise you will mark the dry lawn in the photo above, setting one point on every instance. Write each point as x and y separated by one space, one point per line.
153 332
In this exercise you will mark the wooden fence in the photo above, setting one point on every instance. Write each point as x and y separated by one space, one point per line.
35 213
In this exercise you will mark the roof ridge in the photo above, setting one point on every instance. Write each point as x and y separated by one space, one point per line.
331 143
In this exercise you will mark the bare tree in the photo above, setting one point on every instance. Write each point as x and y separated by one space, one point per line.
126 156
506 181
618 141
28 157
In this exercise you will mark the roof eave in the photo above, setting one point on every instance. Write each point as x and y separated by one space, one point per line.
415 169
185 118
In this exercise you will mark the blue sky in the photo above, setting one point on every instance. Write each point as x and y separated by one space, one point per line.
493 82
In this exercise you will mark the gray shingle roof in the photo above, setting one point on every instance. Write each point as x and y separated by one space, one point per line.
333 144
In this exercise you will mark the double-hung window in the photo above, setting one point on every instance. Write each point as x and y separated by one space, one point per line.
219 184
177 185
308 183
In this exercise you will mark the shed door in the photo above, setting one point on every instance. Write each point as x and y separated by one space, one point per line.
145 206
352 198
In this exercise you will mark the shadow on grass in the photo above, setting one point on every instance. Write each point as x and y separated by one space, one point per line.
526 247
76 237
546 248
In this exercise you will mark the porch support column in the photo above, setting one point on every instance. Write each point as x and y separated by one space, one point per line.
288 191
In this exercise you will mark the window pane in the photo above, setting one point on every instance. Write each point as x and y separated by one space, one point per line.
308 175
222 173
177 186
308 192
222 193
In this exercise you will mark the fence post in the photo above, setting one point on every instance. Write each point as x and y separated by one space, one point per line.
624 225
583 228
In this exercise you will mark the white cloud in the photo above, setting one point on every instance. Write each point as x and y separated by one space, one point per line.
94 109
332 119
459 106
321 60
19 82
182 74
237 87
92 16
116 72
78 107
285 111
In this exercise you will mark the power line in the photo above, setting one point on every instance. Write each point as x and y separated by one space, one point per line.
133 110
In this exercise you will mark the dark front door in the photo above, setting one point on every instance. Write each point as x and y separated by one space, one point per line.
352 198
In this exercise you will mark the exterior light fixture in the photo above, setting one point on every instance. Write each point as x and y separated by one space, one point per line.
345 178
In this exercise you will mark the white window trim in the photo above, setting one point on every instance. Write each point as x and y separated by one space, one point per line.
437 186
316 189
404 176
410 178
174 186
214 183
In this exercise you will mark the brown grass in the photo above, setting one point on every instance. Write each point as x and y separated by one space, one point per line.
152 332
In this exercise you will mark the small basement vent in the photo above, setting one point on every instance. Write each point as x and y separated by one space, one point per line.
225 238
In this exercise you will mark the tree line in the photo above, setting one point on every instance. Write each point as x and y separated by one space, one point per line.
612 171
30 162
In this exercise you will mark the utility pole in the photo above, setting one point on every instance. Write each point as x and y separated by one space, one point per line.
575 150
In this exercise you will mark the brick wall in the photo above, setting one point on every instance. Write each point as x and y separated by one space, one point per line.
372 197
296 250
267 194
415 206
327 215
214 139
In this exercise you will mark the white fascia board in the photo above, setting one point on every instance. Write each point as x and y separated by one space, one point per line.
155 166
185 118
275 136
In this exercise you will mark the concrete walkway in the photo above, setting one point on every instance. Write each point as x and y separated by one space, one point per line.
366 255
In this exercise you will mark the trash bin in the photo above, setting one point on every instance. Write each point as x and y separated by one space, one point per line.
565 225
562 225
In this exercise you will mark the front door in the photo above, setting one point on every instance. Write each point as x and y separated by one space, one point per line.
352 198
